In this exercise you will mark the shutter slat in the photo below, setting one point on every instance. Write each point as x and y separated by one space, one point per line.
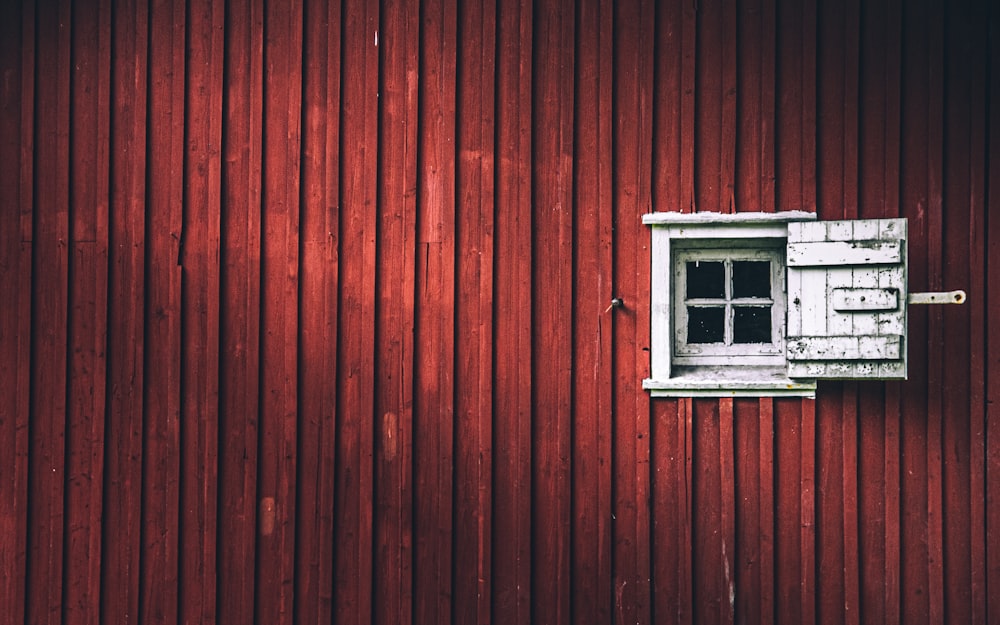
845 347
848 299
829 253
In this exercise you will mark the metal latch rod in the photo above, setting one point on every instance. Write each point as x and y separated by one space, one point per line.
939 297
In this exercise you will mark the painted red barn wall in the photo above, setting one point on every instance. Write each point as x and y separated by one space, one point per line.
306 317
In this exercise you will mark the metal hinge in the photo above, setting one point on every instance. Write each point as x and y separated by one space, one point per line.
939 297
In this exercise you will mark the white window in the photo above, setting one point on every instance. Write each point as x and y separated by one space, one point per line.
729 302
755 304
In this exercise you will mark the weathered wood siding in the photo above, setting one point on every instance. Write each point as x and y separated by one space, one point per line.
306 312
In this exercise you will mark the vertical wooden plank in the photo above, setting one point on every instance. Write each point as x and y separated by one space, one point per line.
727 165
992 338
474 313
50 317
766 505
158 597
788 504
436 294
850 513
934 173
667 102
747 471
16 198
239 310
685 418
807 514
959 425
200 249
89 150
795 183
512 331
672 510
768 106
727 500
277 460
830 504
977 29
705 539
633 157
688 128
314 545
436 288
913 417
552 117
807 105
873 405
892 438
590 558
754 479
851 114
395 322
788 87
836 113
356 320
712 544
710 127
126 285
752 120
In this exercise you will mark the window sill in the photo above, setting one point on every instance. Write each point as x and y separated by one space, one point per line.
730 381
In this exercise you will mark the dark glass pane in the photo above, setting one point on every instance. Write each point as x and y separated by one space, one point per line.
751 278
751 324
706 325
706 279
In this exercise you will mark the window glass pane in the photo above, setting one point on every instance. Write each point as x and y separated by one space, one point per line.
751 278
751 324
706 325
706 279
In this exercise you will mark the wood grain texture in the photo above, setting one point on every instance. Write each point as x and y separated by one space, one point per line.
633 197
318 270
199 259
474 313
358 149
434 403
50 318
278 427
239 326
992 343
396 472
126 293
16 199
552 245
160 577
591 423
512 330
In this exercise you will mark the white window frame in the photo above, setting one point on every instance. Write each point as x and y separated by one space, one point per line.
674 375
771 353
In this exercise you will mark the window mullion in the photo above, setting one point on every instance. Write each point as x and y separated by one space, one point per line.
728 331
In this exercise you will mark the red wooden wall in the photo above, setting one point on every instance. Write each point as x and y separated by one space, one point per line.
305 312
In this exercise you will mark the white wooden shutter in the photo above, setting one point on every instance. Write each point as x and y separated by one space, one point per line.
847 299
